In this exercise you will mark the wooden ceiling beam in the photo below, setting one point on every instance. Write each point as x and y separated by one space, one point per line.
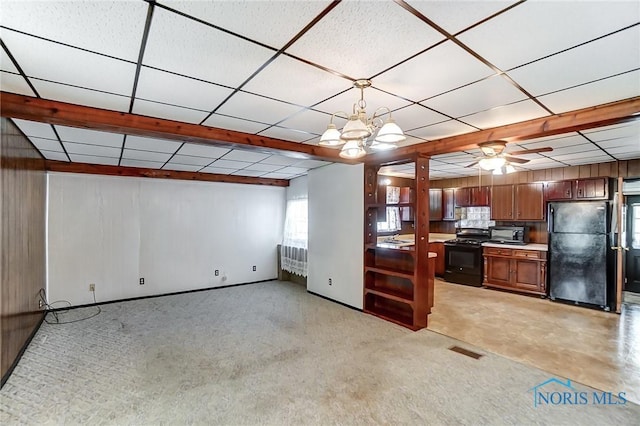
66 114
99 169
572 121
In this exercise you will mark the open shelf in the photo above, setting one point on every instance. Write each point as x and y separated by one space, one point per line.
393 287
391 310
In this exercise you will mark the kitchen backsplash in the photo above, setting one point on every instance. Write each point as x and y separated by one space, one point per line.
474 217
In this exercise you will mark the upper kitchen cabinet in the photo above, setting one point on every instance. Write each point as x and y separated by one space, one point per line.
502 202
472 196
580 189
448 204
524 201
435 204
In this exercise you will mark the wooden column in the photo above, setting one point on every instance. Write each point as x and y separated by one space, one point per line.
423 268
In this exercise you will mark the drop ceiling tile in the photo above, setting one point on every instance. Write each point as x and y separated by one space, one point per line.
286 134
557 141
415 116
436 71
181 167
251 173
160 86
113 28
92 150
229 164
600 92
86 136
143 164
131 154
33 128
311 164
410 140
190 48
558 152
589 160
46 144
572 157
309 121
304 84
278 175
79 96
622 130
240 155
62 64
335 38
508 114
232 123
257 108
55 155
441 130
344 102
6 64
628 156
621 150
190 161
14 83
535 29
263 167
483 95
217 170
198 150
453 18
293 170
629 143
169 112
602 58
78 158
151 144
279 160
272 23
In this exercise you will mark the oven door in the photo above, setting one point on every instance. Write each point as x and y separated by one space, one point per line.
463 264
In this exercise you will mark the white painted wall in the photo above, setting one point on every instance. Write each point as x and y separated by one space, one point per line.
336 224
298 188
113 230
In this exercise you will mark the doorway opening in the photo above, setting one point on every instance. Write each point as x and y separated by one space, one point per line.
632 246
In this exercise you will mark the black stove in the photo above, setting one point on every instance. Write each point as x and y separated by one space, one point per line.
463 256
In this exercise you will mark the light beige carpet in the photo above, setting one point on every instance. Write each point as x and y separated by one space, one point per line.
268 353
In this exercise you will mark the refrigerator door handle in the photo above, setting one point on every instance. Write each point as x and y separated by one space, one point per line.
551 219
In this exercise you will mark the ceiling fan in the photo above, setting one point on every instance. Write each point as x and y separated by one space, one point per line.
495 159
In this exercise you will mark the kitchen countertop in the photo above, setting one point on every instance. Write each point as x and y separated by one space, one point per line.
531 246
410 239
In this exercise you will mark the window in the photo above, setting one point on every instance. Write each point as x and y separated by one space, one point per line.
392 220
293 252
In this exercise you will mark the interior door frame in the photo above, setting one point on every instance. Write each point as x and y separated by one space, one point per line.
628 200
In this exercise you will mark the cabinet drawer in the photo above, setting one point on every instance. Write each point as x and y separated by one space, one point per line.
497 251
529 254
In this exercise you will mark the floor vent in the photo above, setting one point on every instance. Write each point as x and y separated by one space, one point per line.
466 352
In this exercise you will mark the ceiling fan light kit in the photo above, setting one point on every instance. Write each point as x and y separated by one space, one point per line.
494 158
359 128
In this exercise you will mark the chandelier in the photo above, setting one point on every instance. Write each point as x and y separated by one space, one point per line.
355 134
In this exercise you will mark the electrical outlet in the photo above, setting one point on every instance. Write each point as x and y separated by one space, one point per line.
92 287
330 281
40 304
254 268
217 272
141 281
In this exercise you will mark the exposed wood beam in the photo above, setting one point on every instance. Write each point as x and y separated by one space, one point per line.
98 169
65 114
572 121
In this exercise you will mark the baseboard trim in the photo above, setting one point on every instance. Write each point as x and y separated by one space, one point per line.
159 295
6 375
334 301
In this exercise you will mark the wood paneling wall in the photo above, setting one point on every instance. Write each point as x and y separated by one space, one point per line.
22 268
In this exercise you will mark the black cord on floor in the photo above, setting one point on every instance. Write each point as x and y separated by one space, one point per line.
55 312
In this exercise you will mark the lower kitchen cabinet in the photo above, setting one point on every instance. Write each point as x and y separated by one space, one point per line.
438 248
516 269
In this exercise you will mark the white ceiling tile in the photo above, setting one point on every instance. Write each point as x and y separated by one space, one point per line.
14 83
410 140
621 130
93 150
181 167
628 156
490 93
277 175
190 48
232 123
257 108
279 160
78 96
340 36
508 114
456 16
436 71
552 141
572 157
161 157
589 160
374 98
263 167
309 121
86 136
303 85
33 128
311 164
415 116
113 28
6 64
160 86
78 158
55 155
190 161
441 130
245 172
572 149
272 23
602 58
229 164
601 92
46 144
62 64
169 112
535 29
293 170
217 170
286 134
198 150
629 143
140 163
240 155
151 144
626 149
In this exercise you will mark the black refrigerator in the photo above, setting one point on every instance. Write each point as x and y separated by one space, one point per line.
581 263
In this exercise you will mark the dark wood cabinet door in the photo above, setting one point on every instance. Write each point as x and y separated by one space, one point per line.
435 204
595 188
479 196
499 270
527 275
529 201
448 205
502 202
438 248
561 190
462 197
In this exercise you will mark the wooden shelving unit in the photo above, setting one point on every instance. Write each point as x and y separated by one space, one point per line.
398 281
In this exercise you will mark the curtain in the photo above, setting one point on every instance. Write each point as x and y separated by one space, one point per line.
293 252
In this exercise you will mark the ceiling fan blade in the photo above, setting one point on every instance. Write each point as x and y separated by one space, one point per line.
531 151
473 164
515 159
